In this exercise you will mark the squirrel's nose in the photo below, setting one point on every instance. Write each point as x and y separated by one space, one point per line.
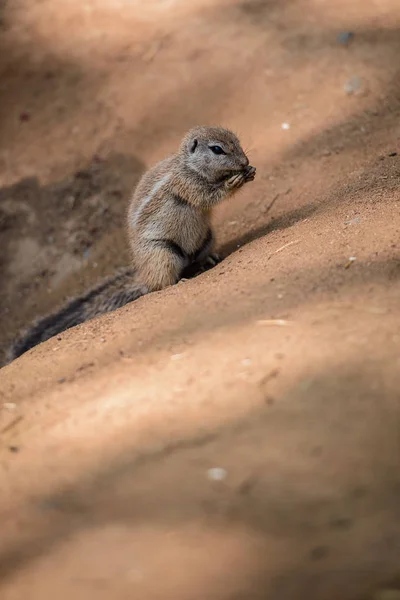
245 162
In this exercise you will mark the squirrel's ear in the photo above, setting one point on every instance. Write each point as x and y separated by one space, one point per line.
193 146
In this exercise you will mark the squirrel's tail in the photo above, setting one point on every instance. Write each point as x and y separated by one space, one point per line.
105 297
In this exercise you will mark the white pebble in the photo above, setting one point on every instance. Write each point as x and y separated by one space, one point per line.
217 474
177 356
352 258
279 322
285 126
246 362
353 85
9 405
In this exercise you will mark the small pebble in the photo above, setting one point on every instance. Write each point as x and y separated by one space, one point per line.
246 362
353 221
217 474
285 126
9 405
177 356
102 340
352 258
353 85
345 37
13 449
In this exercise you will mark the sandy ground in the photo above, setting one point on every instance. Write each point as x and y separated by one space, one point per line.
236 436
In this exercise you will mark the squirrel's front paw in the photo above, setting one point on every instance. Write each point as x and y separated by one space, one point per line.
236 180
249 174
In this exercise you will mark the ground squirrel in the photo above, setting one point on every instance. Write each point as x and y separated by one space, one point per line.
169 228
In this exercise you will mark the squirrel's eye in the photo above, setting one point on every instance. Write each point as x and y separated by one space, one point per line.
217 150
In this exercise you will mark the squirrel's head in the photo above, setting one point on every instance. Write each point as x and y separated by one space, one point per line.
213 152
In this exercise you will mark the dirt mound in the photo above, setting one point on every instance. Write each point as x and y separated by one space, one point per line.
236 435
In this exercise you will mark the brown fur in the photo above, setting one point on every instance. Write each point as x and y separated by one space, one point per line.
173 203
169 228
